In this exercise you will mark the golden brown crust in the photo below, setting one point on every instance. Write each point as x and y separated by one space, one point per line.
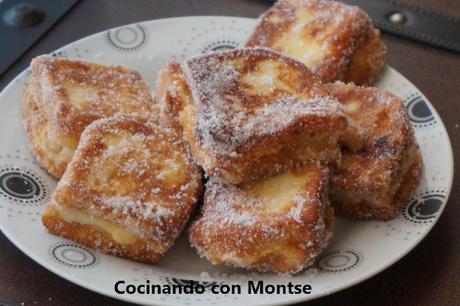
375 182
134 172
251 112
258 225
141 250
50 153
336 41
368 209
67 96
168 78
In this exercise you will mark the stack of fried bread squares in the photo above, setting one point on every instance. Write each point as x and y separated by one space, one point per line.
282 129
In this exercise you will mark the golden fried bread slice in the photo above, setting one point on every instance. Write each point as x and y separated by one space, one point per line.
69 95
50 153
336 41
279 223
129 189
171 87
376 182
252 112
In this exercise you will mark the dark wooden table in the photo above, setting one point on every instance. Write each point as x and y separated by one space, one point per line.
428 275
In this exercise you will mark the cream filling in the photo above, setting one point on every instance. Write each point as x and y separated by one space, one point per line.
275 192
298 42
119 233
79 94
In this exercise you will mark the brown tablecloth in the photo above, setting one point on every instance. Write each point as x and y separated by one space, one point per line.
428 275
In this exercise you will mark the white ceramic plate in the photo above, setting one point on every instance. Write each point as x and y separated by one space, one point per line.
358 250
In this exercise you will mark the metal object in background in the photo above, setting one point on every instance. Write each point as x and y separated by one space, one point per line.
23 23
23 15
413 22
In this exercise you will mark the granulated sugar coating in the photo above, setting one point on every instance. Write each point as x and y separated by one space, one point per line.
274 140
252 112
280 223
376 181
336 41
129 190
65 96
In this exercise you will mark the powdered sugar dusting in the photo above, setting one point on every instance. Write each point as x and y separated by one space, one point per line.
237 227
225 122
128 205
76 93
325 35
135 171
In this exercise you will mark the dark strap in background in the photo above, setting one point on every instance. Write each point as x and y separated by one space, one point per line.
16 39
412 22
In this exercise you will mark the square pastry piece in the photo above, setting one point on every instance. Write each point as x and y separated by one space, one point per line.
279 223
252 112
378 180
129 189
64 96
336 41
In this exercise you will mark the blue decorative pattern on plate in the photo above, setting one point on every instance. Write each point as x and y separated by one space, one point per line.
358 249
